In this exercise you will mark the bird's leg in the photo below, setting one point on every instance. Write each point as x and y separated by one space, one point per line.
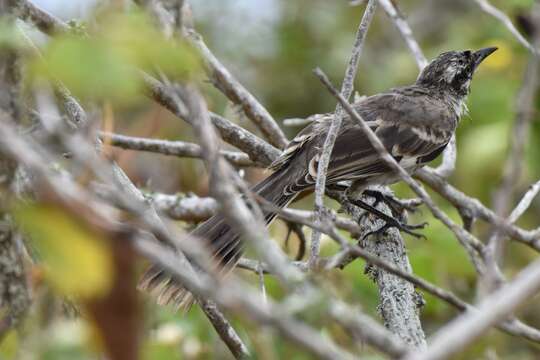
390 221
297 229
396 206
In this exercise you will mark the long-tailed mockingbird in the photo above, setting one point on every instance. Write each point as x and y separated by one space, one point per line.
415 123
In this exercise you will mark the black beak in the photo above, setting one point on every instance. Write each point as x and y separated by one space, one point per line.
481 54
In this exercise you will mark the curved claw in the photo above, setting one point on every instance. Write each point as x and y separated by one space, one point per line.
403 227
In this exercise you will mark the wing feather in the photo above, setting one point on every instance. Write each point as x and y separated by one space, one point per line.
412 126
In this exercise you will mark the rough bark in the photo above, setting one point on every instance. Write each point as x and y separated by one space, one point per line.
399 303
14 296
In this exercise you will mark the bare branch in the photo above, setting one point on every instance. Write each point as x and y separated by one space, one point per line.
405 31
224 81
44 21
469 326
525 202
182 207
365 329
487 7
225 330
513 166
258 150
399 303
166 147
248 221
448 164
477 209
346 91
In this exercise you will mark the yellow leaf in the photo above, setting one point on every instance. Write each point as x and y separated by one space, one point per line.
76 261
9 345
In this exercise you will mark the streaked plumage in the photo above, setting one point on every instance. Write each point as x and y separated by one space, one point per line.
415 123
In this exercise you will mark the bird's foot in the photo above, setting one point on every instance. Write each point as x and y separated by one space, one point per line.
397 206
407 228
390 221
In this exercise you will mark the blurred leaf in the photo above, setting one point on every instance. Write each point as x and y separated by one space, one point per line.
105 65
89 68
76 261
9 345
158 351
10 38
134 39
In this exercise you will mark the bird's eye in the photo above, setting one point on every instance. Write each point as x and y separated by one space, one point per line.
467 53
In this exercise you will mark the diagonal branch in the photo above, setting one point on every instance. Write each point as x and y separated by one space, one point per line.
405 31
487 7
238 94
346 91
469 326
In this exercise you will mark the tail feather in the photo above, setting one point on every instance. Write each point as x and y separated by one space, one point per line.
225 245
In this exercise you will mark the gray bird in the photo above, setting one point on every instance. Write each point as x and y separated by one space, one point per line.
415 123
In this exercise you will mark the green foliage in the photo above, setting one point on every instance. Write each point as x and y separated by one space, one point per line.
105 64
9 345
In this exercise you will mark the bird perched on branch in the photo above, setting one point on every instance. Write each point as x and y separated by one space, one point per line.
415 124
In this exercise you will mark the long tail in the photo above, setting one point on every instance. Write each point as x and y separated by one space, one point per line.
223 243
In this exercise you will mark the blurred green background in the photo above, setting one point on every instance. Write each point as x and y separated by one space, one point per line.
271 46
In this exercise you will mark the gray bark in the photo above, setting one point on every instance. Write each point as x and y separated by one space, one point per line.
14 296
399 303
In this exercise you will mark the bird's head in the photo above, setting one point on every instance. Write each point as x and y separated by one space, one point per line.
453 70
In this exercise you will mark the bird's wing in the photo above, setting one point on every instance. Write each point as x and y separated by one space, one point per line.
412 127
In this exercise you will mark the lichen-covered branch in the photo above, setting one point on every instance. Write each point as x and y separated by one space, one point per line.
399 303
14 292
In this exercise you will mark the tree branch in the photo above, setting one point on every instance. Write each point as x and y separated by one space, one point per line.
324 155
469 326
235 92
173 148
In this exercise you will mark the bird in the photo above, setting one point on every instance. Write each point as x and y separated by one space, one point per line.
415 123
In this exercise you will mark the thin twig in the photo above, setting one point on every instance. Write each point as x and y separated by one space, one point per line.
487 7
184 207
477 209
468 327
525 202
173 148
238 94
405 31
258 150
324 156
513 166
44 21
